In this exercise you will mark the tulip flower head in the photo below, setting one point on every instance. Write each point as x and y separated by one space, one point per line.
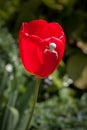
42 46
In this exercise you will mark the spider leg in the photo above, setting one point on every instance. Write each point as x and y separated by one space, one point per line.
46 50
55 53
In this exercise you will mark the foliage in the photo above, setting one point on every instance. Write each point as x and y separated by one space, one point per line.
62 98
61 114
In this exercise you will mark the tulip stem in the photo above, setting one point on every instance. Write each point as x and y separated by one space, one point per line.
35 100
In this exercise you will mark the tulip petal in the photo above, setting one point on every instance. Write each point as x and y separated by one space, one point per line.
50 59
57 31
43 29
34 27
31 53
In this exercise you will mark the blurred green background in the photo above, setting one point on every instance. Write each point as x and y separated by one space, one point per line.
62 100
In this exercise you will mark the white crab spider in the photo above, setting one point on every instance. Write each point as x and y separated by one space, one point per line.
51 48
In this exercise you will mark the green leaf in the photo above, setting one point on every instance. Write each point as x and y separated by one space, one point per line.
82 81
56 80
76 68
13 119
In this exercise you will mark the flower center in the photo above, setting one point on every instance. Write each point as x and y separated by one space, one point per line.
51 48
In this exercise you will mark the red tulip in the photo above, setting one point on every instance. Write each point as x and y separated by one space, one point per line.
42 46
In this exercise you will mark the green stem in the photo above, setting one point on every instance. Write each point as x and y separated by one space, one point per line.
35 100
